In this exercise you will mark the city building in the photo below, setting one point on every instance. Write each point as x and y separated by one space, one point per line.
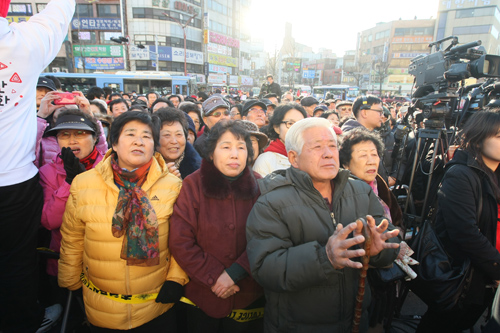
470 21
385 52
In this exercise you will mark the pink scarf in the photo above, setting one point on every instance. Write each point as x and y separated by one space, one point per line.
387 210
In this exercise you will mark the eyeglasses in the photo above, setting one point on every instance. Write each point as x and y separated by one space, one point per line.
67 135
288 124
217 114
381 112
257 110
234 113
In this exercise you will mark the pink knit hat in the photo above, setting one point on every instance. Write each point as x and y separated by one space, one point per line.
4 7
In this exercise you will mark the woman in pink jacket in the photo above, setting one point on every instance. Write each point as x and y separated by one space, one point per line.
77 135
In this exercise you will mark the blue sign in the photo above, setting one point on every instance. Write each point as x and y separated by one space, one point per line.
309 74
90 23
164 53
100 63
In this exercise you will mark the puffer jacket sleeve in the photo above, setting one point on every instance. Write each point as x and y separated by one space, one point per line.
176 273
198 264
277 264
457 210
55 195
72 244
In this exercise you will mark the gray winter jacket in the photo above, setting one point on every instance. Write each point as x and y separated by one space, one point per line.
287 231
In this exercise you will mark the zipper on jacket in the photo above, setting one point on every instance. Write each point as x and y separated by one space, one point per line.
127 287
333 221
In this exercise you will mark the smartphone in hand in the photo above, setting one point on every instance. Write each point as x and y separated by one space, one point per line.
66 98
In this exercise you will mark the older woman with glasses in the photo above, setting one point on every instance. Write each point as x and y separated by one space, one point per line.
115 234
275 157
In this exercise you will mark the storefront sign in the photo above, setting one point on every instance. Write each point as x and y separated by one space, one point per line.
218 49
223 40
192 57
407 55
216 78
18 19
138 54
186 7
222 60
233 80
98 50
100 63
246 81
412 39
217 69
89 23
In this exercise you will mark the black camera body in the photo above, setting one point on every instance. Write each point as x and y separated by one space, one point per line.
438 77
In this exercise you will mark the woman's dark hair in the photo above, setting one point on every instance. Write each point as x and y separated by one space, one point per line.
481 126
115 94
364 103
94 92
326 114
192 107
95 125
239 107
171 115
161 99
222 127
278 116
126 117
107 91
101 107
355 136
115 102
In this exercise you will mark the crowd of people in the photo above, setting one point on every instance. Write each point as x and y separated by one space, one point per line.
207 213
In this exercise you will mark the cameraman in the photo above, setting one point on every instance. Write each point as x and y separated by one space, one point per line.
270 87
466 220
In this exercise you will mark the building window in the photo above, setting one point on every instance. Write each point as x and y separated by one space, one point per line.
40 7
142 65
475 12
20 9
83 37
472 30
84 11
108 11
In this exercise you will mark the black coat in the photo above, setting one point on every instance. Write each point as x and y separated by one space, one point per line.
272 88
457 224
191 161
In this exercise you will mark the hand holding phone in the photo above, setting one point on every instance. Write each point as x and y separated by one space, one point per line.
66 98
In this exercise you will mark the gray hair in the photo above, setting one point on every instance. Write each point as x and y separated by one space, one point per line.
294 139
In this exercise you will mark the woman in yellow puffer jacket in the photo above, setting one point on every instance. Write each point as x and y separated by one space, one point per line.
115 234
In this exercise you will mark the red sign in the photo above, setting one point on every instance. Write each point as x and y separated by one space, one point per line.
185 7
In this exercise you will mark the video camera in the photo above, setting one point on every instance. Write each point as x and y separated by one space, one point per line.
437 75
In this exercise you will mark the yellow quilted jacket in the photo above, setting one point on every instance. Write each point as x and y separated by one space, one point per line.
88 246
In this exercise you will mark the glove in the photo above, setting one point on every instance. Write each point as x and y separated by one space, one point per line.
170 292
72 164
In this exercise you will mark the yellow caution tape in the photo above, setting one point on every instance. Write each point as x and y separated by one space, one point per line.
240 315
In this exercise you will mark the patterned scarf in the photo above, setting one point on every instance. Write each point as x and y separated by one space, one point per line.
89 161
135 218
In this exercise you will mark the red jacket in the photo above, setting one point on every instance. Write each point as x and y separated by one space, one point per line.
208 235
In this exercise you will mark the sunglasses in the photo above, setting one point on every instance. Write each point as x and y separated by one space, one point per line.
217 114
67 135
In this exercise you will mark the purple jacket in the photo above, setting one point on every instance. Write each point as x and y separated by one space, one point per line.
47 148
55 193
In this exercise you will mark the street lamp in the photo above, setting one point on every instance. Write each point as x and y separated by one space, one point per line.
183 26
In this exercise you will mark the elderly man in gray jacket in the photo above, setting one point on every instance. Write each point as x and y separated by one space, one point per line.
303 240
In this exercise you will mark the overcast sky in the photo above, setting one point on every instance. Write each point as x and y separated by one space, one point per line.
331 24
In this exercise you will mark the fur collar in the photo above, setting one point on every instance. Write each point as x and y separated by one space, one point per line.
215 185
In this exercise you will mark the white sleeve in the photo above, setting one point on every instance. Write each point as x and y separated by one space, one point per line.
46 30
